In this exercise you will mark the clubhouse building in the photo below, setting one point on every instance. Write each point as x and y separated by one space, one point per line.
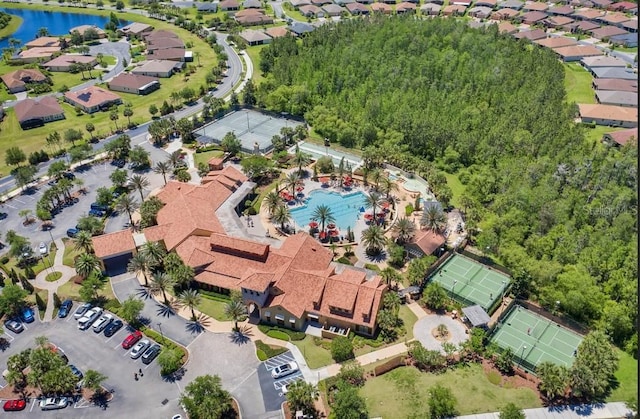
292 283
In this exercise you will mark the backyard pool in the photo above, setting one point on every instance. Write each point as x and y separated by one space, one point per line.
344 208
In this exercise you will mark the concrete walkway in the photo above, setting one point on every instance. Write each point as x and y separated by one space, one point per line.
585 411
423 331
52 287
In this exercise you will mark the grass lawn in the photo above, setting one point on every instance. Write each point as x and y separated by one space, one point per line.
457 188
409 320
316 356
72 290
69 253
577 83
213 309
107 60
404 392
37 268
204 157
254 53
627 376
595 134
34 139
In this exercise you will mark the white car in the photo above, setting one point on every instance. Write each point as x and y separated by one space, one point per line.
100 324
284 389
284 370
53 403
81 311
87 320
44 250
139 348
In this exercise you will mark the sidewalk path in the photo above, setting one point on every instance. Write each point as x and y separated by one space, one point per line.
52 287
591 411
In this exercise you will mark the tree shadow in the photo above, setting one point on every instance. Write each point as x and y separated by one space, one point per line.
101 399
144 293
176 376
165 310
198 324
4 344
242 335
376 257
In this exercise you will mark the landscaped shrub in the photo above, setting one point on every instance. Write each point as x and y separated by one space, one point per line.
341 349
265 351
42 305
408 210
113 305
344 261
4 260
276 334
56 300
223 298
166 343
393 363
293 334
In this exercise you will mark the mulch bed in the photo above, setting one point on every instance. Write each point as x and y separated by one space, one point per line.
513 380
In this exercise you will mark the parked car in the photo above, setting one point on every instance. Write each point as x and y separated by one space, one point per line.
53 403
113 327
80 311
102 322
65 308
284 370
43 249
14 405
3 215
151 353
14 325
131 340
96 213
91 316
27 315
68 175
76 372
99 207
139 348
58 351
72 232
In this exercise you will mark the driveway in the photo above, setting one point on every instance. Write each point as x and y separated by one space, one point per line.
423 328
272 388
149 397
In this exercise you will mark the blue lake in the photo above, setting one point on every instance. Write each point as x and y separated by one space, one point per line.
58 23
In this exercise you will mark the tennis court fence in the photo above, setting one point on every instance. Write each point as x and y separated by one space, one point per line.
565 321
430 270
486 261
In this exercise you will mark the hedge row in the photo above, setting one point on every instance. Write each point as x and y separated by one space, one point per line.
167 343
265 351
211 295
293 334
393 363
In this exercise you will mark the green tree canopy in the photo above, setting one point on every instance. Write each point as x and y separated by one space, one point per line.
204 398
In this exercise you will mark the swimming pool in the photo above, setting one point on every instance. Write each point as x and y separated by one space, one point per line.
345 208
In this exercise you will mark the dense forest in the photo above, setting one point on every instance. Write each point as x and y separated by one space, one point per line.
436 96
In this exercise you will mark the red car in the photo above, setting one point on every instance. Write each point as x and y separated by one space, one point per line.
132 339
14 405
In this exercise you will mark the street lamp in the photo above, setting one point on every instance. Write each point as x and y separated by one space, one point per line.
504 289
160 328
557 307
524 348
453 288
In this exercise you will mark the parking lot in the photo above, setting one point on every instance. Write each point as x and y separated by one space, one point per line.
94 177
149 397
272 388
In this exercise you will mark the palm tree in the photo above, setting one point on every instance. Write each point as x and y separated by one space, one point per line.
93 380
128 204
162 167
442 330
403 229
376 177
83 242
236 311
160 283
190 299
433 219
282 215
138 264
272 201
301 159
389 275
388 186
373 201
154 253
86 264
323 215
392 302
373 239
140 183
291 181
42 341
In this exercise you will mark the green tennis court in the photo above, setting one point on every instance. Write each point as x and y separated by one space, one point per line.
535 339
470 282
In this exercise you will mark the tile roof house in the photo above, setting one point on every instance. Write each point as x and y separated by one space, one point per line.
154 44
229 5
511 4
561 10
92 99
32 113
425 242
157 68
300 28
135 30
587 14
615 116
615 84
16 81
249 17
134 83
333 9
577 52
581 26
171 54
453 10
535 6
614 73
112 245
381 8
613 18
504 14
531 35
67 61
277 32
36 54
251 4
602 61
507 27
158 34
430 9
601 4
628 40
311 11
617 98
630 25
625 7
555 42
286 285
44 41
607 32
480 12
557 22
486 3
253 37
532 17
297 3
620 138
405 7
82 29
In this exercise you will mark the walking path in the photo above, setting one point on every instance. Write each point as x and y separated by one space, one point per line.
52 287
584 411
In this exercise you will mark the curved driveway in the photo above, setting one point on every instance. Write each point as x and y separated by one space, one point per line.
423 328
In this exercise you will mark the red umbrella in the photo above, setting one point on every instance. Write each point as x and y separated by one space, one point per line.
300 188
385 204
324 180
313 224
368 216
323 235
334 233
331 226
